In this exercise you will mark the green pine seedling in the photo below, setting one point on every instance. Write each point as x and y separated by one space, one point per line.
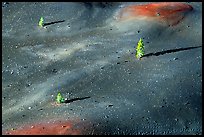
140 49
59 98
41 22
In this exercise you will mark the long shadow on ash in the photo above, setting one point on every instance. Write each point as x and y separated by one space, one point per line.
75 99
50 23
170 51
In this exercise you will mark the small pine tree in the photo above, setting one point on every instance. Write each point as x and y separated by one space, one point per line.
59 98
140 49
41 22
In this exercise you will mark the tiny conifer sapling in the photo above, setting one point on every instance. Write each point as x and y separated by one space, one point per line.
140 49
59 98
41 22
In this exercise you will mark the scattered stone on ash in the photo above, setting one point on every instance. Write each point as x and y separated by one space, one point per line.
9 85
40 109
54 70
110 105
28 85
12 72
5 4
83 119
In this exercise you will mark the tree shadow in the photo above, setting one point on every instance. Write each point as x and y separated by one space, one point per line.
169 51
75 99
50 23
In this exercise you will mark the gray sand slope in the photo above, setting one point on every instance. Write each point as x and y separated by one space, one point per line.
92 55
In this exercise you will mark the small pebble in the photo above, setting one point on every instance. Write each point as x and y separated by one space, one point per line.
12 72
27 85
54 70
12 129
106 116
83 119
9 85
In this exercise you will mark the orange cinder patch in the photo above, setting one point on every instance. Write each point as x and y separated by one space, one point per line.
56 128
170 13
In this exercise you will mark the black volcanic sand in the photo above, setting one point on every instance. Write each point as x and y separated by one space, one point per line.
88 56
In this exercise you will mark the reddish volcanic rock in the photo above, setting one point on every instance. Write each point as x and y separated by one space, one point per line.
170 13
52 128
